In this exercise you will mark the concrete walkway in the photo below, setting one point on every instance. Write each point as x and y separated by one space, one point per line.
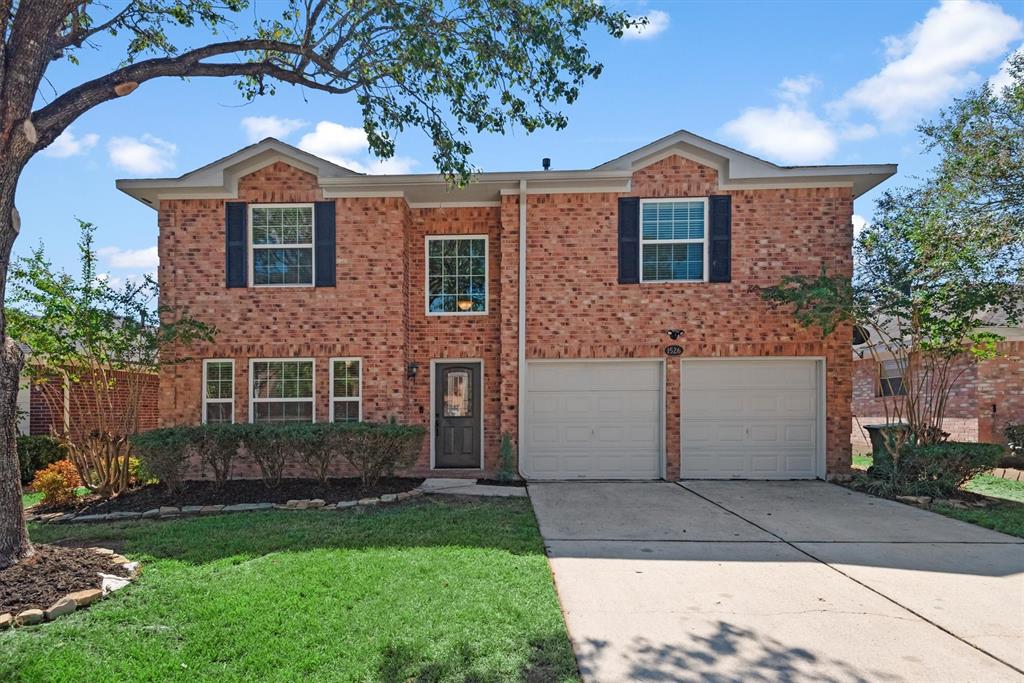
469 487
794 581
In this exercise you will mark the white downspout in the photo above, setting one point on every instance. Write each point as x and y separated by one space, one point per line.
521 344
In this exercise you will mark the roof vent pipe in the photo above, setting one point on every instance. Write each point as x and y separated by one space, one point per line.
546 163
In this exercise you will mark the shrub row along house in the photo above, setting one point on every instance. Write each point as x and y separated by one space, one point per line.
607 320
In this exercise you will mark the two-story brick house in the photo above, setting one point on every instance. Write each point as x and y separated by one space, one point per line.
535 304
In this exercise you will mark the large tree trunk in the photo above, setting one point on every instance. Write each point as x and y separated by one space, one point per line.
14 543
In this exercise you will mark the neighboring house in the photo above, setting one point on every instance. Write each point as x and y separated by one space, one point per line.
986 397
341 296
44 408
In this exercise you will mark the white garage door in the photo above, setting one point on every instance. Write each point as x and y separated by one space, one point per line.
749 419
593 420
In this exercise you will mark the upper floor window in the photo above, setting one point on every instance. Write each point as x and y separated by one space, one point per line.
890 378
457 275
673 239
282 244
218 391
282 390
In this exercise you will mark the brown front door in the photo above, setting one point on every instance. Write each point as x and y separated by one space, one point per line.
457 415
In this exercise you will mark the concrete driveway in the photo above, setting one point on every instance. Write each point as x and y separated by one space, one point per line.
778 581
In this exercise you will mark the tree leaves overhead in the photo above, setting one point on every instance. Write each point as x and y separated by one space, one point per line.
452 68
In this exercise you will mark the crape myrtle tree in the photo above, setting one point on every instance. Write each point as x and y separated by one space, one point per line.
940 259
450 68
100 343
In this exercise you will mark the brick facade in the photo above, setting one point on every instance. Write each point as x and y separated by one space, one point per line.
986 397
575 306
50 407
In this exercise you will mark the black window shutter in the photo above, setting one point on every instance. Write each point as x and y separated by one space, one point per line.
721 239
629 240
236 238
324 244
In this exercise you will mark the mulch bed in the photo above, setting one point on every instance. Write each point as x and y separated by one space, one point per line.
497 482
249 491
50 574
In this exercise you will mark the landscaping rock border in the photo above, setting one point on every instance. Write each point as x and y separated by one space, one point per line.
208 510
76 599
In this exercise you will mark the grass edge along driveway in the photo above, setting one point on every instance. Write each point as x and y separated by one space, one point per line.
440 589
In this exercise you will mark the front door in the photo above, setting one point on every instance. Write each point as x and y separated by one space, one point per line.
457 415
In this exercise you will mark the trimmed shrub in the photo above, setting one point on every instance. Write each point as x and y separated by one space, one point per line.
218 446
506 459
935 470
376 450
1015 446
57 482
164 453
35 453
327 442
273 445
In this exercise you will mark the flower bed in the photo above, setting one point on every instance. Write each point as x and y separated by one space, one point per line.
55 581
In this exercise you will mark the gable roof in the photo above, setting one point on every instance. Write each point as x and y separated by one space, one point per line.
219 179
737 170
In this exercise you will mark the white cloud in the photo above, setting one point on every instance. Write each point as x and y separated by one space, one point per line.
859 223
657 22
130 258
68 144
148 154
344 145
788 134
797 89
932 62
1002 79
858 132
259 127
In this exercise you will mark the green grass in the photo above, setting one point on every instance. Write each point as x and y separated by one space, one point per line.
1005 517
861 462
30 499
432 590
997 487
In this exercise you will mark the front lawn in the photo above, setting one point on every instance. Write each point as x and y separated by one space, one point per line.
31 498
437 589
1006 517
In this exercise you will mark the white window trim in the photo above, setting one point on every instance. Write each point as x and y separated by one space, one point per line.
350 399
705 241
426 274
206 401
253 247
253 400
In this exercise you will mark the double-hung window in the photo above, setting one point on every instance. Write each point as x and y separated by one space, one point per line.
890 378
346 390
673 240
281 239
281 390
218 391
457 275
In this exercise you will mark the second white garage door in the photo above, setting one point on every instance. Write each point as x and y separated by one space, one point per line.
749 419
593 420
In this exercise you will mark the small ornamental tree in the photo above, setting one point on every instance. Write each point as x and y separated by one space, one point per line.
99 343
938 262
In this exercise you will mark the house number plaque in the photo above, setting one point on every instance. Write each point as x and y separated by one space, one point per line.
674 350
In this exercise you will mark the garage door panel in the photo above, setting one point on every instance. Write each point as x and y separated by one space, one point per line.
594 420
749 419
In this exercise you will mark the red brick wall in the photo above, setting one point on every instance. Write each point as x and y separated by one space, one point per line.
576 308
48 405
1001 392
969 412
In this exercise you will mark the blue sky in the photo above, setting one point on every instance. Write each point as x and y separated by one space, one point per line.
792 82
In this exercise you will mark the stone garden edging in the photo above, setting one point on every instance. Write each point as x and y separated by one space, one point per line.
206 510
76 599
